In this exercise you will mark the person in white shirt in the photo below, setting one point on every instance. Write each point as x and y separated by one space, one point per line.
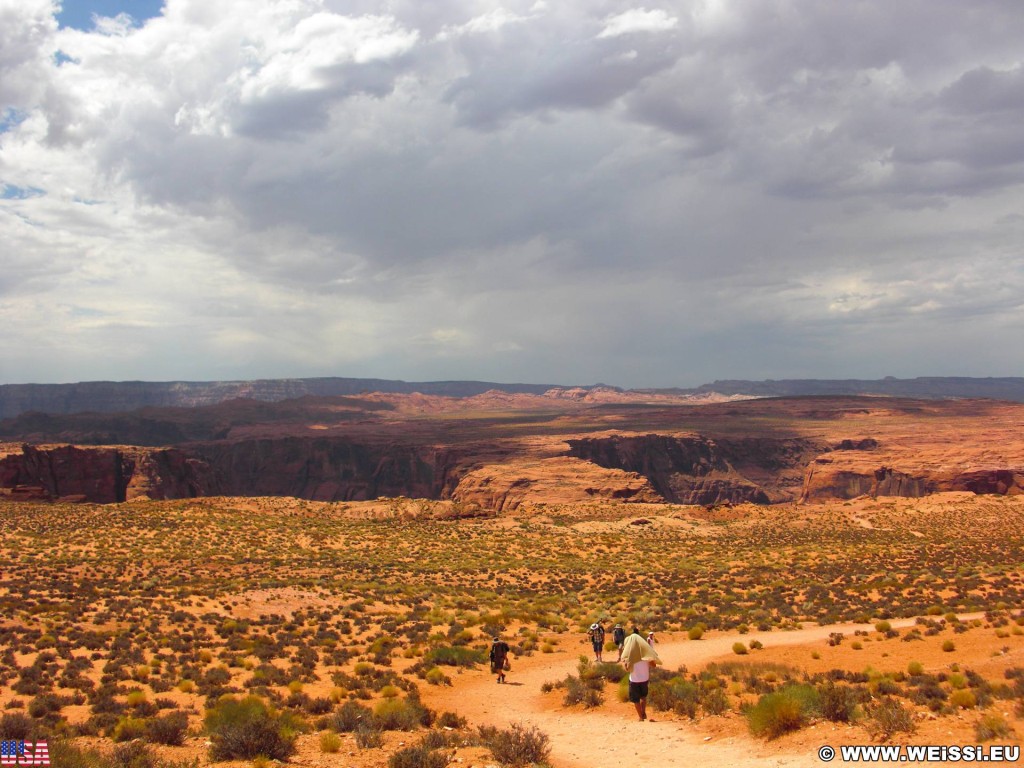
639 657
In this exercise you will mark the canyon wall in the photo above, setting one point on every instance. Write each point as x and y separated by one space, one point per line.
104 475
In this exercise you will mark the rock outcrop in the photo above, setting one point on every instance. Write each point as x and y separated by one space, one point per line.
692 470
848 475
559 480
104 475
330 469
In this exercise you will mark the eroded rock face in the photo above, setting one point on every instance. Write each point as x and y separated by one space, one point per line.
559 479
331 469
683 470
846 476
105 475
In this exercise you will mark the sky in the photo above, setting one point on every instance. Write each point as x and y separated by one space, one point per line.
647 194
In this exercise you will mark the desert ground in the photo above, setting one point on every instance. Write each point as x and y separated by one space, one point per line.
362 628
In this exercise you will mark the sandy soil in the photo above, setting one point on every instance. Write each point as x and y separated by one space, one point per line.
611 735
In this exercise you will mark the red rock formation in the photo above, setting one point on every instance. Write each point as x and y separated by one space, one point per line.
846 476
104 475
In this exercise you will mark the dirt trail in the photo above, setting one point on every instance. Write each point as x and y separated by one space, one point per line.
611 735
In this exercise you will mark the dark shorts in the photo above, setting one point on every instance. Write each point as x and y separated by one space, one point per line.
598 645
637 692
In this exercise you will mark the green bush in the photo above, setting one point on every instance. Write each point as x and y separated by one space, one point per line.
249 728
400 715
129 729
786 710
330 742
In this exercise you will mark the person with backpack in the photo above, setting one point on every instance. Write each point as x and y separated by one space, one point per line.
596 635
619 636
499 658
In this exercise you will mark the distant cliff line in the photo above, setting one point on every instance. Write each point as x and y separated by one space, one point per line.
115 396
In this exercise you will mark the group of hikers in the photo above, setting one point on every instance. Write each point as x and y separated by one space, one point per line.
636 652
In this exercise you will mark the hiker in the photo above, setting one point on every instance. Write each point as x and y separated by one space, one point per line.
499 658
596 635
650 639
639 657
619 636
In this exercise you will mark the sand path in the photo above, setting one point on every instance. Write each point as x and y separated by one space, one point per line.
611 735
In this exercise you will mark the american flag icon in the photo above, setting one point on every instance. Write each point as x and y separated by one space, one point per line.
11 751
17 753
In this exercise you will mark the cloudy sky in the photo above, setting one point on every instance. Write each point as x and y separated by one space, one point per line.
652 194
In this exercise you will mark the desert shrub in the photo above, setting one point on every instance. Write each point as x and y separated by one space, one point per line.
963 699
134 754
714 702
579 691
330 742
247 728
368 736
838 702
786 710
451 720
434 676
915 669
350 716
674 695
43 704
517 746
606 671
948 646
454 656
739 649
992 726
696 632
17 726
168 729
129 728
320 705
889 717
400 714
418 757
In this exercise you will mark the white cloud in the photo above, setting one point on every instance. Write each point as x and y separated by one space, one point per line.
638 20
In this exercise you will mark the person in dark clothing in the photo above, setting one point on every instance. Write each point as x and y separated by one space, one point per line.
499 658
619 636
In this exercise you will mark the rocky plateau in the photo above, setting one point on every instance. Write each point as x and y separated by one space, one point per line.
499 451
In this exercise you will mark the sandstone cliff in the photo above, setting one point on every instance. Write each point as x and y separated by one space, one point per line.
106 475
697 470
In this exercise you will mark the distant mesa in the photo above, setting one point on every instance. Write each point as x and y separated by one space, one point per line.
115 396
505 447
